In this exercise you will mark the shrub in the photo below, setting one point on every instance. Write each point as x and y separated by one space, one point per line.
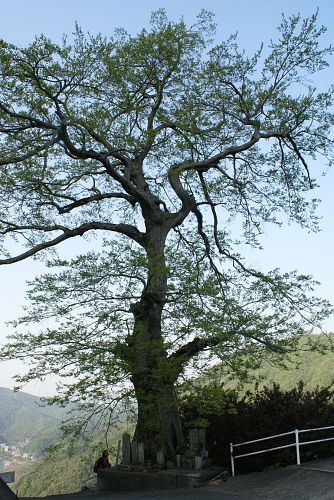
264 412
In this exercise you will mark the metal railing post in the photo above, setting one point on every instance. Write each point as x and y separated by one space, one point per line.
232 459
297 447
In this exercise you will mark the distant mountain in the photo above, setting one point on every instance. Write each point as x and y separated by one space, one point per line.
22 417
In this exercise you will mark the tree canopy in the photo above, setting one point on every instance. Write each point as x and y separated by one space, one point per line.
165 153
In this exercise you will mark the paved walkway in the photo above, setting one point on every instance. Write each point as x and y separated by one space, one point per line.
203 493
310 481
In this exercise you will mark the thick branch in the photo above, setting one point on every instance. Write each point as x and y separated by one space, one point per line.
184 354
126 229
213 160
188 200
115 153
137 191
33 121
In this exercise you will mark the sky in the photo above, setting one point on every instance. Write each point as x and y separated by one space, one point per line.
289 247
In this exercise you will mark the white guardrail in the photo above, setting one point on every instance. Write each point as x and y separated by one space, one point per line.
295 444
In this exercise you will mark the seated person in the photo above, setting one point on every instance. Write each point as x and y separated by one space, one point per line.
102 462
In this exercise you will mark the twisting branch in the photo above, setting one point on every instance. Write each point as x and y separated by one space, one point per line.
201 232
115 153
126 229
186 352
183 355
213 210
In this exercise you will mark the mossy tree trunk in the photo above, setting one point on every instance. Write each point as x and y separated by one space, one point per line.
152 373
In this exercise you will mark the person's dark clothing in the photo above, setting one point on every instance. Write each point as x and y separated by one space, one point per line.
102 463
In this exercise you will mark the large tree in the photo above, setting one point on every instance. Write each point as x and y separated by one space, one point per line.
165 156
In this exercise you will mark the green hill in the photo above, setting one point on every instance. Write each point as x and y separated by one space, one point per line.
312 366
23 418
68 471
58 474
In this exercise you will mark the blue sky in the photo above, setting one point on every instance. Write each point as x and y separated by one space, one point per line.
256 20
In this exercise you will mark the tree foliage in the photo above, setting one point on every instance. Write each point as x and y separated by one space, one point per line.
165 154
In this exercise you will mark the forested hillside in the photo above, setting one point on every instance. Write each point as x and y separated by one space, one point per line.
58 474
22 417
309 364
70 470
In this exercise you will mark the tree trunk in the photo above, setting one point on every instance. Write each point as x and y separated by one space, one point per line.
158 426
153 377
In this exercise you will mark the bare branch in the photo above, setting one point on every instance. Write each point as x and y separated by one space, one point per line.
33 152
85 201
300 156
126 229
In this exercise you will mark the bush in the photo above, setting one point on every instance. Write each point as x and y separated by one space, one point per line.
265 412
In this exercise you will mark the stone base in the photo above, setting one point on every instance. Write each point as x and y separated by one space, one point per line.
120 479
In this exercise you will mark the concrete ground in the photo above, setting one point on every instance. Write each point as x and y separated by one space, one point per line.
310 481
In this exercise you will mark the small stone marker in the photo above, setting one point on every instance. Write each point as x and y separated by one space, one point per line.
160 457
198 462
202 437
118 452
178 460
197 440
134 452
126 449
141 454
